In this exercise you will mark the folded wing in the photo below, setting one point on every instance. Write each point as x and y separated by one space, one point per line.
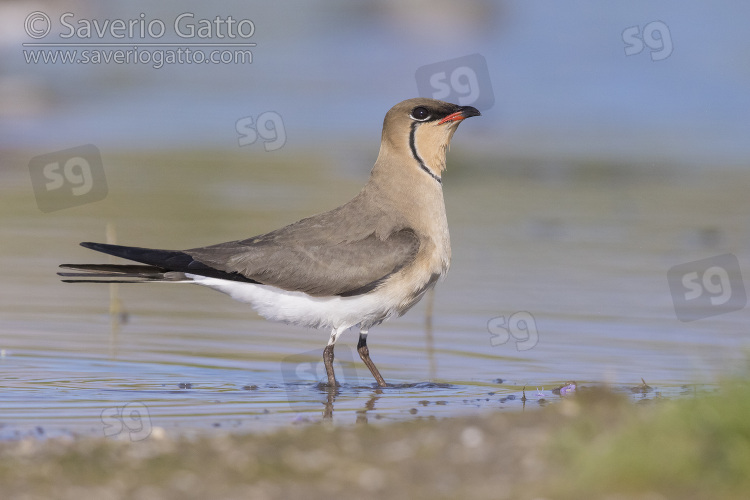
317 264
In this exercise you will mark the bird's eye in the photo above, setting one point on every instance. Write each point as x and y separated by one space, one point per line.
420 114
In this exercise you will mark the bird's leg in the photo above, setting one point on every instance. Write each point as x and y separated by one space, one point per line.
328 362
328 356
364 353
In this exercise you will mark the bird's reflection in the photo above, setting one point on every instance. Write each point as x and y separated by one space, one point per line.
333 392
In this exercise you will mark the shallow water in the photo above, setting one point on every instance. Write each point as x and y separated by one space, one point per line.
582 257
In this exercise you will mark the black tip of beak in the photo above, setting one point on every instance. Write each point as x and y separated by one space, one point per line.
469 111
460 113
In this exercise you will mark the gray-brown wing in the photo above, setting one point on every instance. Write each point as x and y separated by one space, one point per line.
301 259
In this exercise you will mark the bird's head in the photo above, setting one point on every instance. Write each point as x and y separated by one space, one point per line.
421 129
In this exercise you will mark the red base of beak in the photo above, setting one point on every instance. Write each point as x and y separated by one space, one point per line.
453 117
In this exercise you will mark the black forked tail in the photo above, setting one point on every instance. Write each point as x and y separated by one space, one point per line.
161 265
158 265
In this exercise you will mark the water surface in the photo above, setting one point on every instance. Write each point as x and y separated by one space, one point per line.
585 255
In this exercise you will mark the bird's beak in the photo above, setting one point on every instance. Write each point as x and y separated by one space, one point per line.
463 112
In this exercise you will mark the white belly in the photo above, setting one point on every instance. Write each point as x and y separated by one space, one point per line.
301 309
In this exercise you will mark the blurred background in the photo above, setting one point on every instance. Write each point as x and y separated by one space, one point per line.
605 182
562 82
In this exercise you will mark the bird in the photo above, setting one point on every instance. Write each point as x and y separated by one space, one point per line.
359 264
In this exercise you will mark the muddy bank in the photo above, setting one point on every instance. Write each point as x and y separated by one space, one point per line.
591 445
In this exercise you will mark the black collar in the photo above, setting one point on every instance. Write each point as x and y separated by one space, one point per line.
413 146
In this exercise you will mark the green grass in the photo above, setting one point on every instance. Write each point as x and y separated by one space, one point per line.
697 447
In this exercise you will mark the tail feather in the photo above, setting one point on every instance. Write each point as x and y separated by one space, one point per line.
124 281
124 273
114 268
